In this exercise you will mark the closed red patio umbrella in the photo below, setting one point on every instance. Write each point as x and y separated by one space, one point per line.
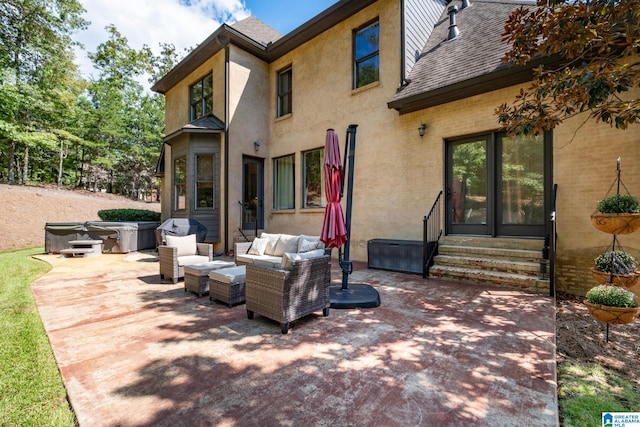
334 231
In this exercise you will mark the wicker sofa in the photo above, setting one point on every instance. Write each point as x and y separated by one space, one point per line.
180 251
269 248
289 293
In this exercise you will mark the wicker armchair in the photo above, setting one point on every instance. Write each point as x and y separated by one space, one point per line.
172 266
287 295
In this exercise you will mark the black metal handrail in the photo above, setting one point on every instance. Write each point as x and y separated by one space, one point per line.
245 217
553 243
431 236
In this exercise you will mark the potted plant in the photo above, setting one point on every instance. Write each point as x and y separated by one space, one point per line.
612 304
619 214
617 267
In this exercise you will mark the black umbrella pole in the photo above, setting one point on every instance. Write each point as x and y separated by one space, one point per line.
350 148
356 295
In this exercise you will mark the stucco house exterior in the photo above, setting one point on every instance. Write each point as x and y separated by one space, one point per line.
247 113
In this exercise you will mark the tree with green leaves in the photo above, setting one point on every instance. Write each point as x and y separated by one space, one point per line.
124 123
594 47
38 80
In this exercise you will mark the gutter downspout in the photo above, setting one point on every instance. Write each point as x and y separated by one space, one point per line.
403 65
226 147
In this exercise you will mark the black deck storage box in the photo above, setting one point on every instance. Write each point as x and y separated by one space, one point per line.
395 255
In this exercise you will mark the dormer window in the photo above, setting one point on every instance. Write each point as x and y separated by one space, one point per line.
201 98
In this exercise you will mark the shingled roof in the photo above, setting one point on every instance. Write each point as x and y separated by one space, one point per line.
467 65
257 30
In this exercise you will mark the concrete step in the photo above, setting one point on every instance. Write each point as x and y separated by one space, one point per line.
505 262
84 252
534 244
524 255
492 264
490 278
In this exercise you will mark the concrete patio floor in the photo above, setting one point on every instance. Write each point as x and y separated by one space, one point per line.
135 351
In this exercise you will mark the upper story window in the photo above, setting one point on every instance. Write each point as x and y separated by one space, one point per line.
201 98
283 183
366 55
204 181
180 183
313 179
284 92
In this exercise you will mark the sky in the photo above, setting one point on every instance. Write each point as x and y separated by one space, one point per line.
184 23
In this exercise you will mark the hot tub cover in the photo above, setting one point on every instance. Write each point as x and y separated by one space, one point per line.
181 227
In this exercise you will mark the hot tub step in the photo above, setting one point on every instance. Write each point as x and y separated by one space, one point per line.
83 248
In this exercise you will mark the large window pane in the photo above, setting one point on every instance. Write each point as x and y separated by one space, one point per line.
522 180
179 183
469 184
366 55
313 179
284 184
204 181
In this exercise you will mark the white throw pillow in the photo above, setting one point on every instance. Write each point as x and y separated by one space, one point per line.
286 243
312 239
306 246
258 246
289 258
186 244
272 241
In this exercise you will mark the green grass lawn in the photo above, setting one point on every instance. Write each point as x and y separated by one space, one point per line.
31 388
586 390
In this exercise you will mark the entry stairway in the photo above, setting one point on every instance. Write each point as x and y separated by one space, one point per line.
504 262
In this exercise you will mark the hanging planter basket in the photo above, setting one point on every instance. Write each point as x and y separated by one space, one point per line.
626 280
616 223
612 315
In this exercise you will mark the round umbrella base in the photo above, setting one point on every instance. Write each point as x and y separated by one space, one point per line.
357 295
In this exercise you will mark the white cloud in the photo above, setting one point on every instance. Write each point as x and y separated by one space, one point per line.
185 23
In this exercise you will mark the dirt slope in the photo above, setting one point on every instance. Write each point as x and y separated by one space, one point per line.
24 211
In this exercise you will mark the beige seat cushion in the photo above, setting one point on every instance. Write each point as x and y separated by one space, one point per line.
186 244
268 260
191 259
229 275
286 243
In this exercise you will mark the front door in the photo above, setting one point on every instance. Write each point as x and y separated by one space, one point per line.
252 194
498 185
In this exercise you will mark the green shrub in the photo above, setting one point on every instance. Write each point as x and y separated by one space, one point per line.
619 203
616 262
129 215
612 296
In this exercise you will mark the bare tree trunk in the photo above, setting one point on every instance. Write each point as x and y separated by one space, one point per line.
60 164
11 162
25 166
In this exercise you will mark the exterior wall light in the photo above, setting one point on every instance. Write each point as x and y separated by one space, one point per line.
421 129
256 146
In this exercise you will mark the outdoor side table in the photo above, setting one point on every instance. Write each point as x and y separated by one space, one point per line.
228 285
196 277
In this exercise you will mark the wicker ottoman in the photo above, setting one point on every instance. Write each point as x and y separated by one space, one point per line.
196 277
227 285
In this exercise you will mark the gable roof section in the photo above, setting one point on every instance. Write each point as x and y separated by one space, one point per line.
468 65
206 124
257 30
259 39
